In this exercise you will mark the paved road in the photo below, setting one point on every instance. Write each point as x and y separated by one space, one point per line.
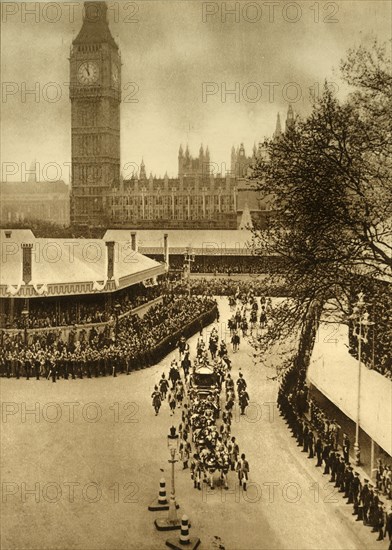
95 479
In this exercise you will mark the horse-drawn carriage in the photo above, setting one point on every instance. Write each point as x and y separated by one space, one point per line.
204 380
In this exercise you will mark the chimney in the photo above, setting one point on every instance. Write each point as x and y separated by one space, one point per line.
166 250
133 241
110 251
27 250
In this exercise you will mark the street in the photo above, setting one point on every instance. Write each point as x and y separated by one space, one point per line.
93 451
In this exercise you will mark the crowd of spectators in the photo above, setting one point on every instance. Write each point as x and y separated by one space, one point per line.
228 265
46 313
121 346
222 286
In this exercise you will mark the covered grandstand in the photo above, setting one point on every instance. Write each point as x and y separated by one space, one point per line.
54 269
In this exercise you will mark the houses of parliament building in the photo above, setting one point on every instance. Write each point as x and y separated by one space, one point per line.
199 197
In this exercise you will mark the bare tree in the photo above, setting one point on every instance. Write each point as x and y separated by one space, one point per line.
331 185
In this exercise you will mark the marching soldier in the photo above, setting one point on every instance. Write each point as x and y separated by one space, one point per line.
72 366
244 401
319 451
172 403
365 501
95 361
88 366
326 458
52 368
28 359
306 439
355 488
349 478
211 468
234 451
243 471
16 367
388 524
163 386
380 521
346 448
37 365
311 444
81 366
8 365
156 400
241 384
300 433
129 363
225 467
196 471
65 364
340 474
334 466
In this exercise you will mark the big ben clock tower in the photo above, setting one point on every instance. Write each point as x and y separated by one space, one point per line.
95 95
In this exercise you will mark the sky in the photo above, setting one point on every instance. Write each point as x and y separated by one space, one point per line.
180 60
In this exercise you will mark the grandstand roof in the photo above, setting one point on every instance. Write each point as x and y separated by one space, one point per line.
63 267
203 242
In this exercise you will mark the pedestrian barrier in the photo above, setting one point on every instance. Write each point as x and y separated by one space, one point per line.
184 535
161 503
185 540
165 346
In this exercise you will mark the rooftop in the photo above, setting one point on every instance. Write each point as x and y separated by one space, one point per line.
206 242
69 266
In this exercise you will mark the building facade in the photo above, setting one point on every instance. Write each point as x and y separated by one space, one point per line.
32 200
196 198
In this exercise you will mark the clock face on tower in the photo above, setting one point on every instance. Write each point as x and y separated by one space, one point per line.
88 72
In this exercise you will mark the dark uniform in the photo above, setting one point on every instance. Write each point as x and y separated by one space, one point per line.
365 501
355 488
319 451
346 448
311 444
326 458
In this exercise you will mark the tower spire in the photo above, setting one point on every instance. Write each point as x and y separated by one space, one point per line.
95 28
142 172
278 129
290 118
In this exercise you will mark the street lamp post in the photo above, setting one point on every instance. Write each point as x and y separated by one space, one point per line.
188 259
172 521
361 317
25 315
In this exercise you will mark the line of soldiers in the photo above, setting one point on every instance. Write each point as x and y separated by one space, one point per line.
364 497
138 343
84 361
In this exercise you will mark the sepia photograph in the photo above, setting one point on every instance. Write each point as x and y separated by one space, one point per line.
196 275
